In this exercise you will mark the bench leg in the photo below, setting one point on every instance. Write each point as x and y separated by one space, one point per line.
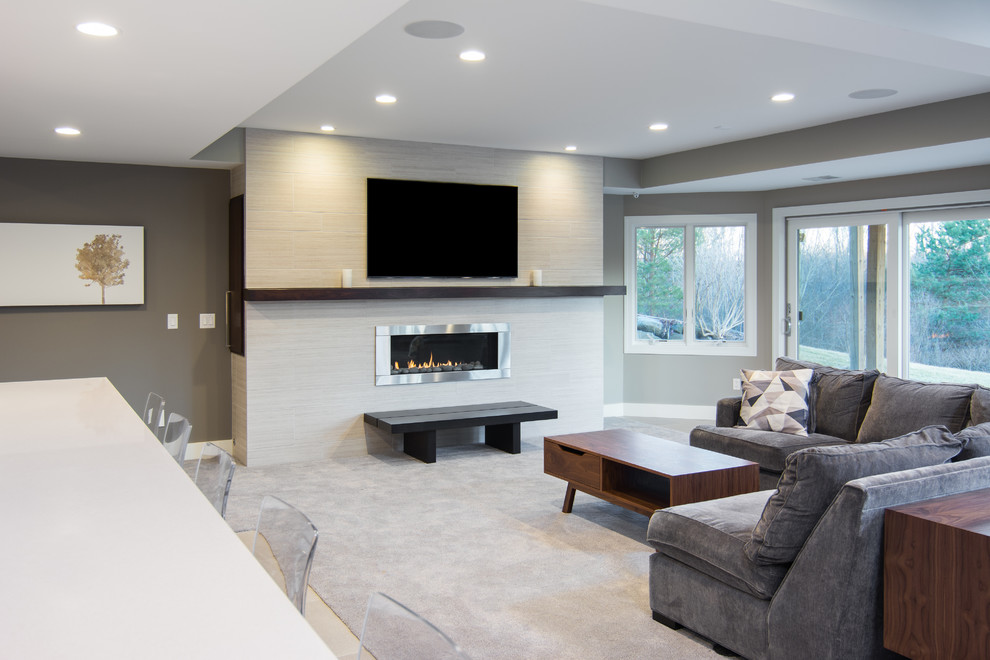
504 437
421 445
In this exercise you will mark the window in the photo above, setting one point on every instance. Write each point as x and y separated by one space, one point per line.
690 284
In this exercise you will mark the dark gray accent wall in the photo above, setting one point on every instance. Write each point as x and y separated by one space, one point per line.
184 213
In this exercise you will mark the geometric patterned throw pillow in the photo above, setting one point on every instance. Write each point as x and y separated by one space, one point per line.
776 400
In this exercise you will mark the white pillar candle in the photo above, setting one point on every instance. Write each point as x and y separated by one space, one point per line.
346 278
537 278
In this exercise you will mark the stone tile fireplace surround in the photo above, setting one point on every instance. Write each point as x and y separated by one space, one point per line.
307 375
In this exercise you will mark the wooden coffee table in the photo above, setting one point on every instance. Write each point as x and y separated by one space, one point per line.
641 472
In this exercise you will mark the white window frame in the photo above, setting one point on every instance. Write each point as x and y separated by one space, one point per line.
689 345
897 268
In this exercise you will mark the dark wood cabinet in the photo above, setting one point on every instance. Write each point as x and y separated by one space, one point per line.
937 577
235 275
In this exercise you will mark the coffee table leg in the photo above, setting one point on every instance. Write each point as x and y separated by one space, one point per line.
569 498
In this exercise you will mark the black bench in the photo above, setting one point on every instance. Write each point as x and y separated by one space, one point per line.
419 427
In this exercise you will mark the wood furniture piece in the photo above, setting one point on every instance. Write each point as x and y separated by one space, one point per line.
641 472
430 292
110 549
419 427
936 574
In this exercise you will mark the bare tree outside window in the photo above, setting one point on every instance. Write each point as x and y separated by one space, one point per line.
720 283
102 262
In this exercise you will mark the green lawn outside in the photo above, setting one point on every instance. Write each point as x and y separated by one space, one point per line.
922 372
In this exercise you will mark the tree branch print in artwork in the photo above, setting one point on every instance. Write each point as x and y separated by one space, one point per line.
101 261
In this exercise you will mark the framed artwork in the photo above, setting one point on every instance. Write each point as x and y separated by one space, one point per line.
42 264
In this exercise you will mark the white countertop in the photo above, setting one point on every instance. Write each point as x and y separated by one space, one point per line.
108 549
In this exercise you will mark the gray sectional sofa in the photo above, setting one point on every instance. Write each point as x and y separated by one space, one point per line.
826 603
795 571
846 406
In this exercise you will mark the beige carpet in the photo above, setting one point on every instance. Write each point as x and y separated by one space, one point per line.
477 544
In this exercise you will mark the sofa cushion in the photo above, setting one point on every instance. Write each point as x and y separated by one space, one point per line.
813 476
839 397
979 406
900 406
768 448
709 537
975 442
776 400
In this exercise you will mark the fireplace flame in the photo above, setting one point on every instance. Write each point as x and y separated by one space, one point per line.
433 365
412 364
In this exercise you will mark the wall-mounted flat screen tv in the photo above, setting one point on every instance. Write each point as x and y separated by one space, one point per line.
435 229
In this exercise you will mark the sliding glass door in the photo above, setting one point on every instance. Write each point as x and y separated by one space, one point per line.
907 293
838 290
949 283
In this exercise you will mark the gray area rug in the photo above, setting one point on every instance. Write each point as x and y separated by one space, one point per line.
478 545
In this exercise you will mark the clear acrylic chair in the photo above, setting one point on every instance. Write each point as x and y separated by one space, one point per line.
287 535
153 409
392 631
176 437
213 474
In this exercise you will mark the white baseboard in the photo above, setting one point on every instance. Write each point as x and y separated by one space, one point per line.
669 410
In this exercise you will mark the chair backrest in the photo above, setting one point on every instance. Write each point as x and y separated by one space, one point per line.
153 409
176 436
392 631
291 537
213 475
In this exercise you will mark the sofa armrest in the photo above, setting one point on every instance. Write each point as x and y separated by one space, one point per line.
727 411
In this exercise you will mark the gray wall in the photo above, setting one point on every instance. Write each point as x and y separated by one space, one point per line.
184 213
612 251
701 380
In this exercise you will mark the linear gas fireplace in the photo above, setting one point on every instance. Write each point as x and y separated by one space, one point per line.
406 354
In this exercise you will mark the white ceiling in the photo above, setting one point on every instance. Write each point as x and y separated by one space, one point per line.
591 73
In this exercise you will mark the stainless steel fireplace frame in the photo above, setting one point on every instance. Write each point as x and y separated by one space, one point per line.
383 351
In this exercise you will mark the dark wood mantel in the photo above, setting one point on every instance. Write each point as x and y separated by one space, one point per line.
422 292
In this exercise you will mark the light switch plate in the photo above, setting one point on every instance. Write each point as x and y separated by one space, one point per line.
172 322
207 320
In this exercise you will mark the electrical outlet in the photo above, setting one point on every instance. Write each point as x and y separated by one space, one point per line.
172 322
737 384
207 320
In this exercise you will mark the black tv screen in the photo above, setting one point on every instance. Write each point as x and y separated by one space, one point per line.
434 229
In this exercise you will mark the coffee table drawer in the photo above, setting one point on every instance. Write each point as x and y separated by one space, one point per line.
572 464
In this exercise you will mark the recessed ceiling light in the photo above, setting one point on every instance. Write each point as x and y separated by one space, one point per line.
783 97
385 98
327 128
472 56
67 130
434 29
658 127
570 147
872 93
97 29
